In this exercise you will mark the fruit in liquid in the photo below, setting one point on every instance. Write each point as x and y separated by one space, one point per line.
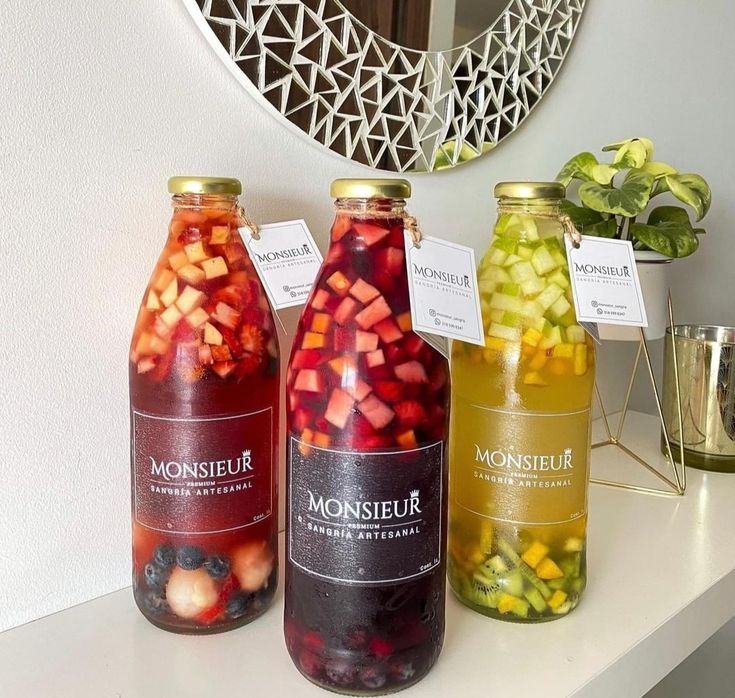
204 392
362 384
520 444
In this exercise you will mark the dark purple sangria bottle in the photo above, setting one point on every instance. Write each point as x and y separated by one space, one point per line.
367 408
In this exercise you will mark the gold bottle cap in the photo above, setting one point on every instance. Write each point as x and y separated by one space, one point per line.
370 188
204 185
530 190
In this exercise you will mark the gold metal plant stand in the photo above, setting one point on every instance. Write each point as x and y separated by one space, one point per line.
675 485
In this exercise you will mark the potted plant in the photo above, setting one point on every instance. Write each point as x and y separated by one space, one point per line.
614 199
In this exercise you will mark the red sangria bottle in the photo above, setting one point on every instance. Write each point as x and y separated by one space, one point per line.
367 423
204 394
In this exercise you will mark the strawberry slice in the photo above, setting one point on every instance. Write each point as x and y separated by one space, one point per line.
376 412
413 344
306 358
302 418
226 315
410 413
248 365
341 227
237 297
224 368
390 391
220 352
231 341
251 339
411 372
395 354
384 281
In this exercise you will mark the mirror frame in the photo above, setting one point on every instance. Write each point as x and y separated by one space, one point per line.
383 105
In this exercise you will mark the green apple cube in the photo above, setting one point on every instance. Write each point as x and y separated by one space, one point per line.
496 256
551 338
501 301
542 261
511 289
512 334
525 252
560 279
522 271
559 258
511 260
549 296
511 319
542 325
497 315
496 274
531 287
486 287
532 310
575 335
560 307
506 245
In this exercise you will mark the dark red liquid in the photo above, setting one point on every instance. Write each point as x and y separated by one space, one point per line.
365 384
205 578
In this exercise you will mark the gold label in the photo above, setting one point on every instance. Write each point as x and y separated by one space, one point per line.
520 467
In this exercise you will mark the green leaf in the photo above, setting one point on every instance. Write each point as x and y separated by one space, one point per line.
604 174
629 200
580 216
658 169
603 229
579 167
667 237
625 146
691 189
668 214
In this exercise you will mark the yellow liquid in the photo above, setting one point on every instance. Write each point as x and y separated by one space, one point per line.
519 452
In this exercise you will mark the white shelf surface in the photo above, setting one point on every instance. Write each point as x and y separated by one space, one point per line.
661 581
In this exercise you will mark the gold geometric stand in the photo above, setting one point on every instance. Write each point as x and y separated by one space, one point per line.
675 485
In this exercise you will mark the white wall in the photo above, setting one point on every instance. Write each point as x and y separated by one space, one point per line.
102 101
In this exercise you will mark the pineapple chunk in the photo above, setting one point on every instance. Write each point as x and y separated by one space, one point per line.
532 337
212 335
534 378
538 361
580 359
507 603
220 234
563 351
548 569
536 552
557 599
152 302
191 274
170 293
163 279
197 318
171 316
573 545
195 252
189 300
215 267
178 260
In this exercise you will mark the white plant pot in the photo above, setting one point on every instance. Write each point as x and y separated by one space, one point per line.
653 271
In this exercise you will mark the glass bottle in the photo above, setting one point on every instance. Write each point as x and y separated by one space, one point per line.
204 395
520 440
367 405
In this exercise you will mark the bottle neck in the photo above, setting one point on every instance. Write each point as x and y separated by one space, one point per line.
545 207
371 208
216 202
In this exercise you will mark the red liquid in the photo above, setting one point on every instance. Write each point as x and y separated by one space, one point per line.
204 540
361 382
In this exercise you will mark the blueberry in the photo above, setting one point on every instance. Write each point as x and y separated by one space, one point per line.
155 603
372 677
190 557
340 671
165 555
154 576
217 566
238 605
402 671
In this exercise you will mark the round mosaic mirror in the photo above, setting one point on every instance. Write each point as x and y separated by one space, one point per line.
329 69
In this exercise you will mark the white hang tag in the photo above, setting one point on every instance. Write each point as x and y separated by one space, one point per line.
442 286
287 261
441 344
605 282
592 330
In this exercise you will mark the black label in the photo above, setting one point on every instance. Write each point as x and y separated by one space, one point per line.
365 518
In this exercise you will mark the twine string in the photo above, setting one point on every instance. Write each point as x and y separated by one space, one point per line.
249 223
412 226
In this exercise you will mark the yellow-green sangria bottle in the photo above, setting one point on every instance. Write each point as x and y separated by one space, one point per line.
520 423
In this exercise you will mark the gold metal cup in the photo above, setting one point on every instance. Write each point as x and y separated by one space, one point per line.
706 361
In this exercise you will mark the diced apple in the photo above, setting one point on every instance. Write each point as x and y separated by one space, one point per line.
163 279
560 307
161 328
510 334
205 354
197 318
411 372
501 301
404 322
191 274
346 310
359 389
212 335
220 234
215 267
313 340
189 300
309 380
366 341
225 315
363 291
339 283
376 412
306 358
339 408
343 365
143 345
158 345
234 252
407 439
171 316
391 259
388 331
147 363
170 293
152 302
320 299
371 234
549 296
195 252
321 323
178 260
378 310
375 358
